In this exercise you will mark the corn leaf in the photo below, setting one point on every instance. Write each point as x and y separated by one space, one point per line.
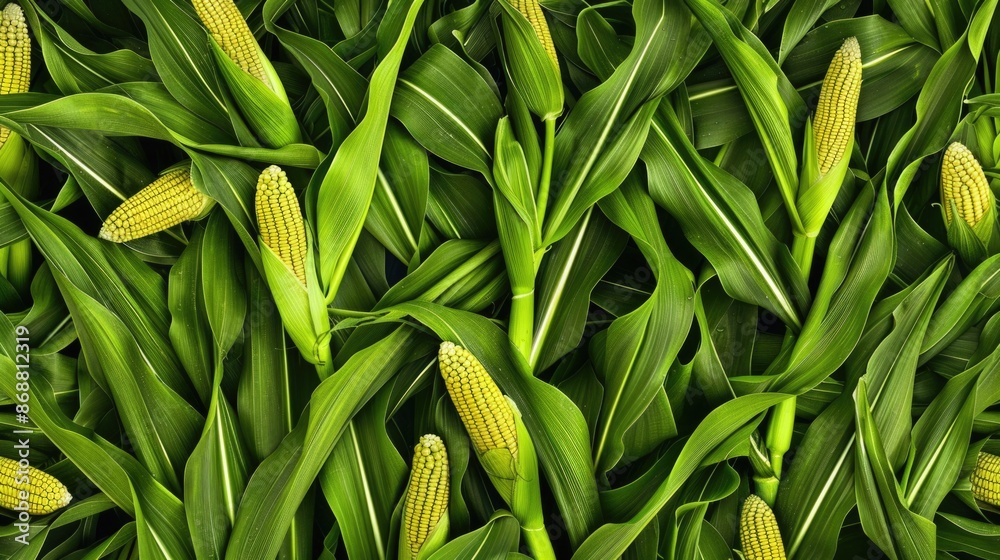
566 281
449 108
362 480
214 479
263 397
801 17
858 262
885 517
189 330
347 188
819 489
717 214
396 214
643 344
728 331
341 86
494 540
608 109
970 302
141 110
960 534
161 425
283 480
940 440
768 94
183 58
442 270
710 436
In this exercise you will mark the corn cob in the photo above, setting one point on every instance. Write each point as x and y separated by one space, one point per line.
532 11
280 220
226 24
759 535
16 56
486 414
833 126
427 493
164 203
963 181
42 493
986 479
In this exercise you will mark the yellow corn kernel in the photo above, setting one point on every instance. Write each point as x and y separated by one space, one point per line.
759 535
42 492
226 24
986 479
16 56
280 220
532 11
486 414
427 493
833 126
963 180
164 203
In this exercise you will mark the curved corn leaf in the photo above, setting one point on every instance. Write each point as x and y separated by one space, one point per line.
494 540
214 479
818 491
886 519
940 440
801 17
708 439
769 96
858 262
183 57
642 345
341 86
449 108
600 118
346 191
566 281
717 214
399 203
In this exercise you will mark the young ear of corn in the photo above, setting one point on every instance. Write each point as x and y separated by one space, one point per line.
226 24
833 126
759 535
964 183
280 220
169 200
532 11
425 511
29 489
501 441
967 205
255 86
480 404
16 56
986 479
17 164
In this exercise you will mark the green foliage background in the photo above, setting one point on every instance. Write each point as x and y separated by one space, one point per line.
634 202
